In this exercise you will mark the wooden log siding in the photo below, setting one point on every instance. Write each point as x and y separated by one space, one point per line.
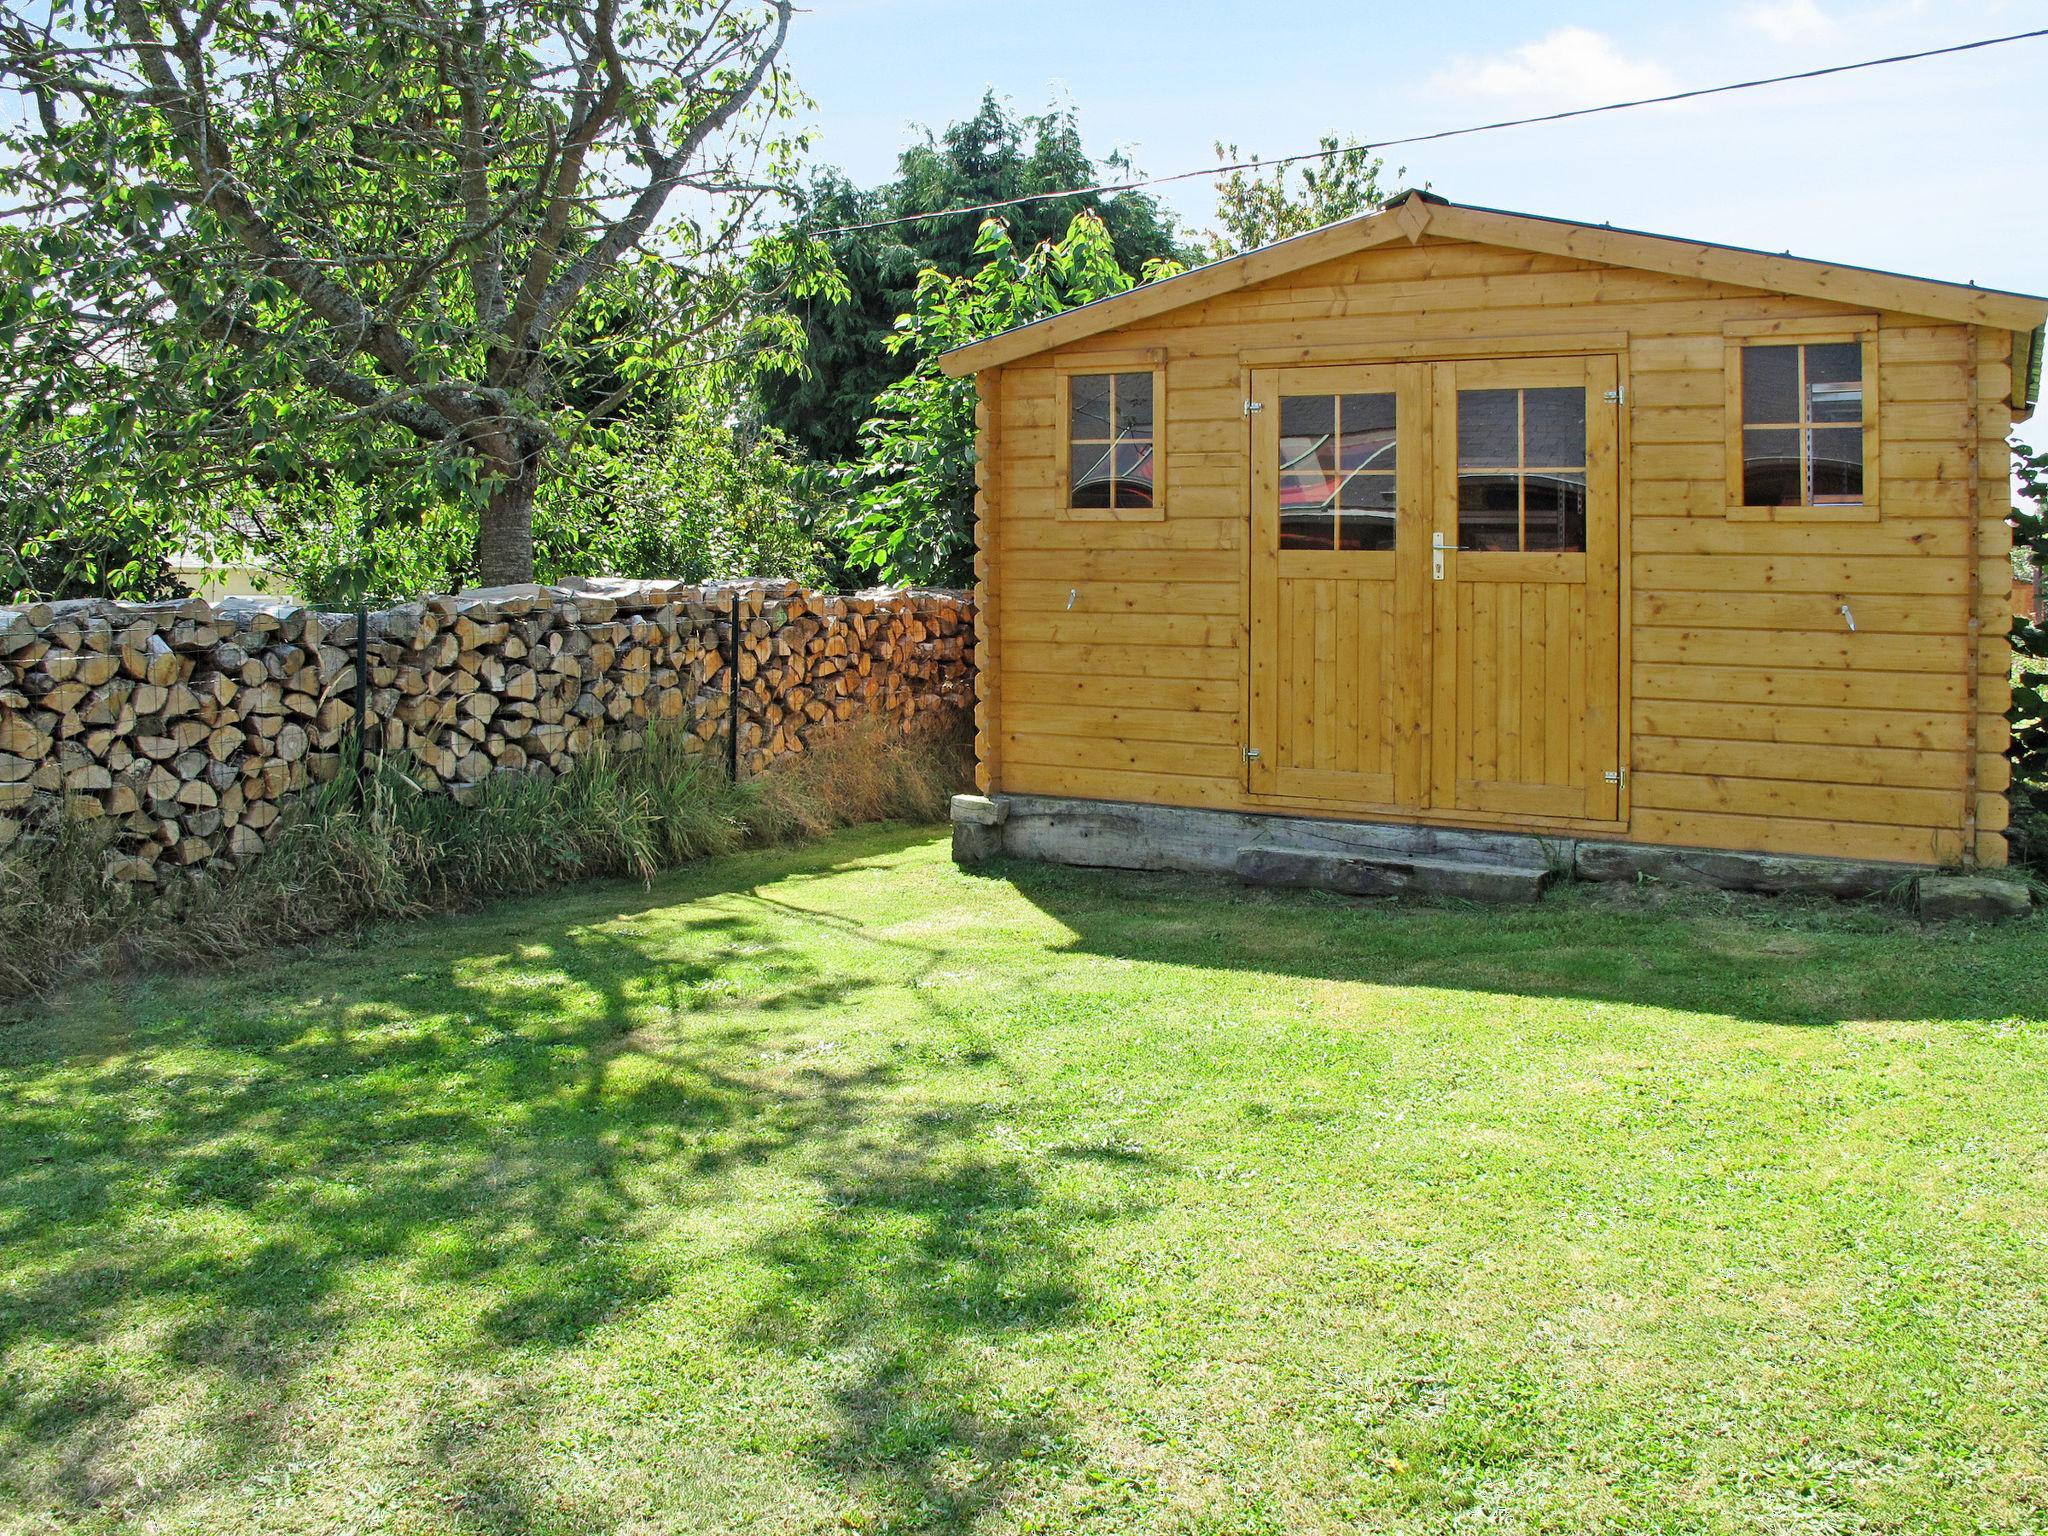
1752 717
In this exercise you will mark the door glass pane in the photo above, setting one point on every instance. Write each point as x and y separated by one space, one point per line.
1367 492
1368 511
1308 431
1554 510
1770 385
1488 427
1834 381
1367 427
1771 469
1489 511
1305 529
1307 492
1837 455
1337 455
1367 530
1088 475
1555 421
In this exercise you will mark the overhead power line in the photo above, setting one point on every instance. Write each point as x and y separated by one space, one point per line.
1429 138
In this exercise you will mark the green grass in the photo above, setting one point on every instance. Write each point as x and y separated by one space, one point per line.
833 1189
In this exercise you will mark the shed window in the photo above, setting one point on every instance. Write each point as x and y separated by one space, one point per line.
1802 427
1111 446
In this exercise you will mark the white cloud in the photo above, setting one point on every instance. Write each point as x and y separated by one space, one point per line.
1571 67
1789 21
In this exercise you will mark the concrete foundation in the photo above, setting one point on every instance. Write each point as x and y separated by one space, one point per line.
1377 858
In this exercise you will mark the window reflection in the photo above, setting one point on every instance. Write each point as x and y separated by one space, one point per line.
1521 469
1110 467
1338 457
1791 392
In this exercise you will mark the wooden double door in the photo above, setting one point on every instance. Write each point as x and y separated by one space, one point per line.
1435 587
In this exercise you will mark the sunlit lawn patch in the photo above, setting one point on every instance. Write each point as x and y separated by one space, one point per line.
835 1189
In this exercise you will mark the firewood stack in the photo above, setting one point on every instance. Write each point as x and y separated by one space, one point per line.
192 724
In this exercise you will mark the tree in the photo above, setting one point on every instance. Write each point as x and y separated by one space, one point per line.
43 556
1254 210
992 156
2029 716
372 242
915 521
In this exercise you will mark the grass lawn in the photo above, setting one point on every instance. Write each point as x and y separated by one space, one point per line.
838 1190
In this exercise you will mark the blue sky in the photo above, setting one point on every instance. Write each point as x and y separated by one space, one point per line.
1922 167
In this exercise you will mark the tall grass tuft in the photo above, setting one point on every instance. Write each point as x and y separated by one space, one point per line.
372 845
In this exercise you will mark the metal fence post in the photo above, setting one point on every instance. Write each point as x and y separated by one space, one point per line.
362 697
732 698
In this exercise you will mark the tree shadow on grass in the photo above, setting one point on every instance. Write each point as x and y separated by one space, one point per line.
1767 960
202 1196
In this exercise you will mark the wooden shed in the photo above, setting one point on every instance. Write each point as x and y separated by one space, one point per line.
1450 518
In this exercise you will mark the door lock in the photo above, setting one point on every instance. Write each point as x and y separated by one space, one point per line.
1436 557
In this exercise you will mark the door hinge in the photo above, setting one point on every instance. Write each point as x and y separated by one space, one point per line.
1616 776
1617 396
1251 754
1253 405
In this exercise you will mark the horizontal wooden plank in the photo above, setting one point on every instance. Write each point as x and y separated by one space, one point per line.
1023 594
1699 355
1176 532
1917 691
1922 381
1677 461
1677 499
1218 630
1674 391
1100 691
1123 723
1865 650
1925 537
1798 798
1113 784
1692 718
1225 337
1098 565
1817 763
1111 755
1799 611
1210 402
1767 834
1020 655
1798 573
1946 460
1922 344
1461 258
1924 421
1441 293
1675 424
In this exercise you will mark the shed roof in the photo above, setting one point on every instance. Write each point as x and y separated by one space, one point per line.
1411 215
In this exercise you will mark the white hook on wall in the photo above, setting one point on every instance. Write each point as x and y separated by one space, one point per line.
1849 618
1074 592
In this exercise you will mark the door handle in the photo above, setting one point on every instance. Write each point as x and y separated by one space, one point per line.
1437 550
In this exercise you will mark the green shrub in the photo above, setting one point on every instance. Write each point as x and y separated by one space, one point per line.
355 851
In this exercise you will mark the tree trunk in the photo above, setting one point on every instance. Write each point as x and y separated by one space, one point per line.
504 541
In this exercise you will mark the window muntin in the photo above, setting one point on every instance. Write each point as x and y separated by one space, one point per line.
1337 471
1521 469
1111 445
1802 424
